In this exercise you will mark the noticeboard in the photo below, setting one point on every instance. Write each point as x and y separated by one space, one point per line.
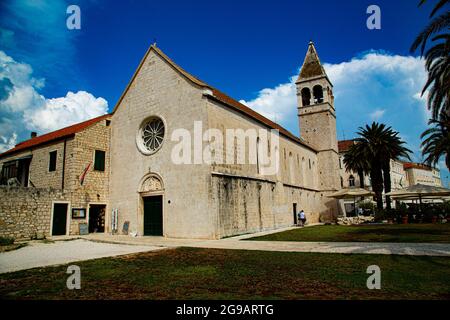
84 229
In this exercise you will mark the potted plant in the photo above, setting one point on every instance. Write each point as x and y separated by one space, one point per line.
405 219
391 216
402 211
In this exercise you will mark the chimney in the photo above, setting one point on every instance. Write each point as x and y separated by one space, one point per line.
33 134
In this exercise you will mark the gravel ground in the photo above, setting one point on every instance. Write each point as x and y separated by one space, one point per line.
39 254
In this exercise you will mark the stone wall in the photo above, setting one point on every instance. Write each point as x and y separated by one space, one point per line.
25 213
245 205
245 201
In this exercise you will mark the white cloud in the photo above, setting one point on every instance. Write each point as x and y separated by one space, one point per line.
276 103
377 114
61 112
24 109
7 143
423 99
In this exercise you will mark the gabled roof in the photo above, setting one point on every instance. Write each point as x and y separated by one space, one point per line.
216 95
54 136
311 65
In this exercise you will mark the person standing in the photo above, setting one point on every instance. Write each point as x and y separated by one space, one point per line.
302 218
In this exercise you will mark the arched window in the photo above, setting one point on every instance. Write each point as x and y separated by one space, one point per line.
306 97
351 181
318 94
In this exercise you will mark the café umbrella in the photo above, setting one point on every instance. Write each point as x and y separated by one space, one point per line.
419 191
351 193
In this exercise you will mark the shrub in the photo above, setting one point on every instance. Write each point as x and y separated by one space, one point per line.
446 208
383 214
367 206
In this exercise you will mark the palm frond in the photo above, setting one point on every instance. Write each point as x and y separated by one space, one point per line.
436 25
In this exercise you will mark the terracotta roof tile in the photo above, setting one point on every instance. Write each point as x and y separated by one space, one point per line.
53 136
344 145
413 165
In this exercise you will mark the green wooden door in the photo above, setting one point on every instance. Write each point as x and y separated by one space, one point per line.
59 219
153 223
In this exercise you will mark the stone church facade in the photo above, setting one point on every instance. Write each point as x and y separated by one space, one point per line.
146 189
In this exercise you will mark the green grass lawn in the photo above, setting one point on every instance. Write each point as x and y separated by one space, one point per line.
438 233
188 273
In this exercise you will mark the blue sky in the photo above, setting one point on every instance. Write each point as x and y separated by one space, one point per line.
248 49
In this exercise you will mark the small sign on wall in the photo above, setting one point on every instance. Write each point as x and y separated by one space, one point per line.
79 213
83 228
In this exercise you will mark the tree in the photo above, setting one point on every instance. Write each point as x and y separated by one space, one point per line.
437 141
392 149
436 59
375 147
355 162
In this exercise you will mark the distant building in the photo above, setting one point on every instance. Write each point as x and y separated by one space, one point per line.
403 174
419 173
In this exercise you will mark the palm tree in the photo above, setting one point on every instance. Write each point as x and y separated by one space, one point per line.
393 149
355 162
376 146
437 59
437 141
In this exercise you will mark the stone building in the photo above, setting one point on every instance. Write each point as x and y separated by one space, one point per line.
402 174
182 159
420 173
43 192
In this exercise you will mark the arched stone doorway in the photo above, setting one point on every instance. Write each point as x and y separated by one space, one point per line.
151 192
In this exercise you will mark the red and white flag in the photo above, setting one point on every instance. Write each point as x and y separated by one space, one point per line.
84 173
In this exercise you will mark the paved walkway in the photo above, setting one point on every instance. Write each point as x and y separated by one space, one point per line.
417 249
94 246
39 254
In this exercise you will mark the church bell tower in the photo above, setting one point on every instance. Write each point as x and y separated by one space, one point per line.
317 117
